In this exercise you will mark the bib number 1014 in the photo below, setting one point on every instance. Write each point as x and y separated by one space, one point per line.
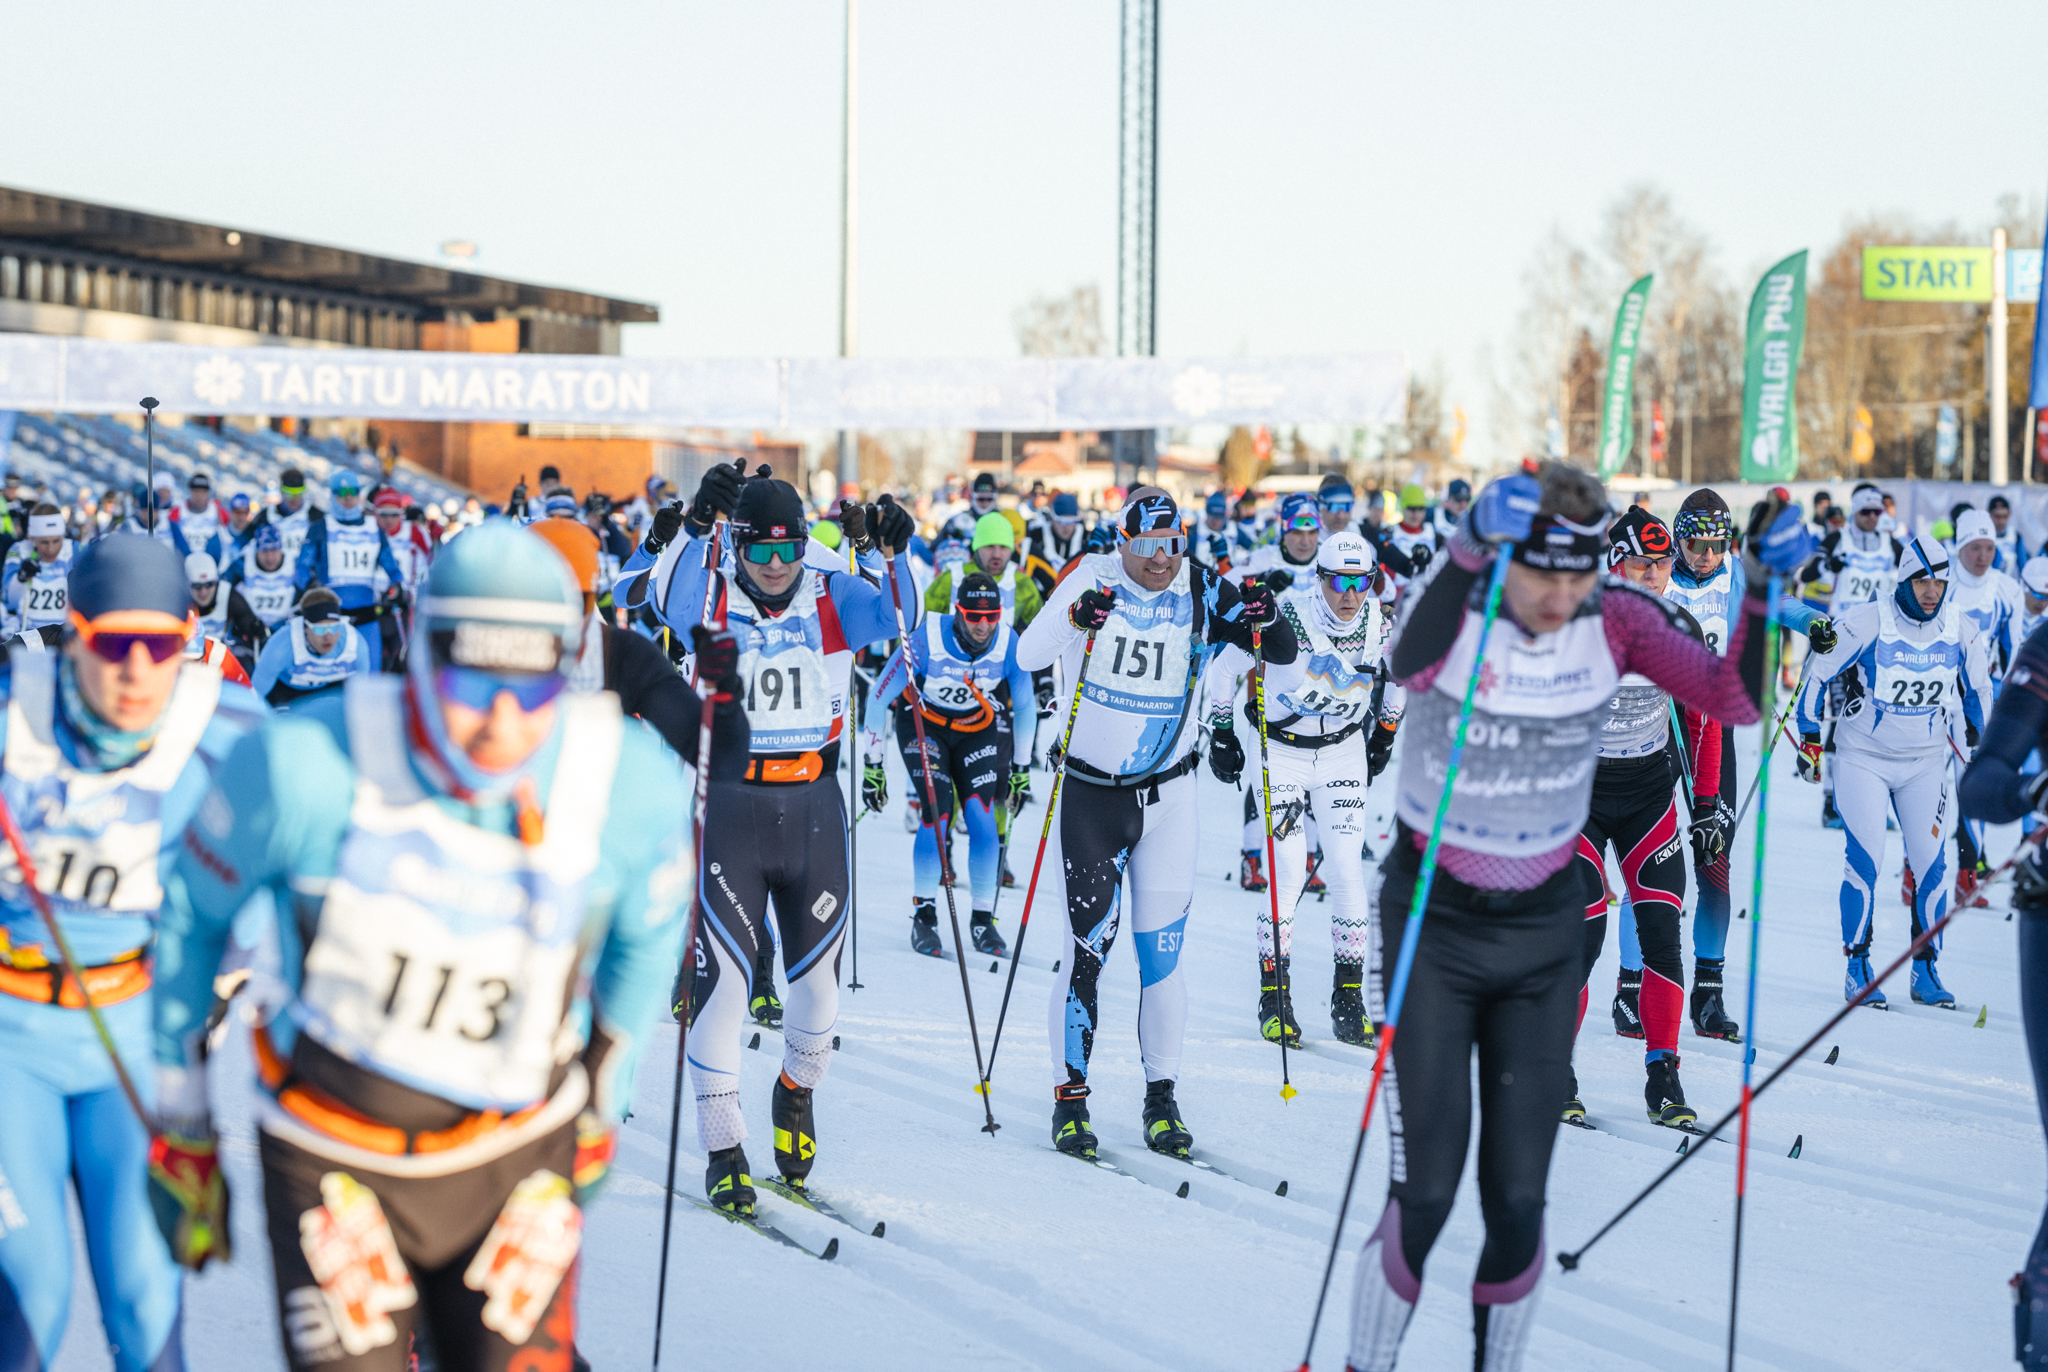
1147 657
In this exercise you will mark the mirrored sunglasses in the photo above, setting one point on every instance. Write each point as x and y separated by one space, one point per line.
1348 581
1150 545
115 645
1706 545
981 616
1304 523
1339 503
478 690
761 554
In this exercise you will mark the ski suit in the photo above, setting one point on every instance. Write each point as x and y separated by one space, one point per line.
1863 567
44 599
347 556
269 595
102 838
288 668
1262 562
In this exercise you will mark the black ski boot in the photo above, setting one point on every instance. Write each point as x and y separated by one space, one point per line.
1709 1016
924 930
1347 1006
1276 1004
1165 1132
796 1131
1628 1015
726 1183
1665 1096
986 939
1070 1131
765 1005
1574 1111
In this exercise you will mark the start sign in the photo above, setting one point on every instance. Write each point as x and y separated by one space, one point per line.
1930 273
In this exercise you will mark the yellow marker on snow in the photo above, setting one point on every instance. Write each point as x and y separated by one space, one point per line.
1981 1014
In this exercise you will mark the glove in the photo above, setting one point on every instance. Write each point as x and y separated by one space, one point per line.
1778 542
1020 788
668 522
27 570
1091 610
874 787
1261 606
1101 539
853 521
596 1141
893 527
1970 736
717 493
1226 755
1820 635
1709 840
1379 749
1506 509
1809 758
1419 558
1219 547
188 1194
718 659
1835 562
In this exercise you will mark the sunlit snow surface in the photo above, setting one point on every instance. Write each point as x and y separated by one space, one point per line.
1888 1243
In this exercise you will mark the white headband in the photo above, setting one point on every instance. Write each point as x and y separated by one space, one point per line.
46 526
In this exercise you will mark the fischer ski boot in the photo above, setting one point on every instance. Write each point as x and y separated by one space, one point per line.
726 1183
1665 1096
1859 976
1628 1015
796 1130
1574 1111
1276 1004
1316 885
924 930
764 1005
1070 1131
986 939
1709 1016
1830 817
1165 1132
1249 873
1347 1006
1927 987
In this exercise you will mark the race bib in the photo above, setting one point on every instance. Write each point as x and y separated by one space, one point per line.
353 560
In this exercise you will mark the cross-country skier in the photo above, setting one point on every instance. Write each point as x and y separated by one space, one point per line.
1334 502
1128 808
318 651
980 721
484 878
261 589
108 749
1209 539
1057 537
292 516
345 552
1862 560
981 502
778 835
993 551
1498 965
1991 600
1914 669
1330 733
37 570
1415 537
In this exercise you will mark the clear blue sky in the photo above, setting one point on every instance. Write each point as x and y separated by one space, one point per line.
1334 176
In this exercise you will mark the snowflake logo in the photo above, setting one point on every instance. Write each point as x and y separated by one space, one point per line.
1197 391
218 380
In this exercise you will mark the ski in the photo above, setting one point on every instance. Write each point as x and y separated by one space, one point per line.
803 1195
764 1229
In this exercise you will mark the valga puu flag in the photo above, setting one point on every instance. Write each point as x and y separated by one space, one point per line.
1617 407
1777 331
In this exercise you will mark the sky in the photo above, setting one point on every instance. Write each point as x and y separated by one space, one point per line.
1334 177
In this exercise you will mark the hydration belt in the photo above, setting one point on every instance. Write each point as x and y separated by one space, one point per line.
1095 775
786 771
110 983
1312 741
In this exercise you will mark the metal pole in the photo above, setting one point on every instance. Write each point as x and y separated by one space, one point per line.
1152 214
849 231
1996 359
2027 450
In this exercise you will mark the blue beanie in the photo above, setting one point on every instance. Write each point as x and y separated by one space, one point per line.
1217 505
1066 506
129 572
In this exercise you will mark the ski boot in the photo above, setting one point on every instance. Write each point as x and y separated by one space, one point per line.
1830 817
1276 1004
1249 874
924 930
986 939
1858 977
1006 876
1347 1006
1970 889
1665 1096
1165 1132
764 1005
796 1130
726 1183
1070 1131
1927 987
1316 886
1574 1111
1628 1015
1709 1016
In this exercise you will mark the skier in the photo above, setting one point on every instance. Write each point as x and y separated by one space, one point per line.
1330 733
1284 565
1415 537
993 551
413 551
2033 597
36 573
1911 664
292 516
981 502
778 834
980 722
1334 502
345 552
261 589
1862 561
1209 539
196 526
1992 601
320 650
108 747
209 606
481 937
1499 964
2012 549
1129 806
1057 537
1457 499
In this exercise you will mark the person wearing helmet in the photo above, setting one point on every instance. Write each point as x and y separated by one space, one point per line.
486 874
1920 669
993 552
797 626
1334 503
1128 809
292 515
209 606
346 553
1327 716
261 589
37 570
108 746
978 710
318 651
196 523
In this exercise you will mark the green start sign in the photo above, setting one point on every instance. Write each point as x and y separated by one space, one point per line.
1950 274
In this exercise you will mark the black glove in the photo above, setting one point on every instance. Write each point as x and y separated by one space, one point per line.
1835 562
1219 547
1709 840
1101 539
853 520
1226 756
415 514
668 522
1091 610
1261 607
718 659
717 493
892 524
27 570
1378 750
874 787
1970 736
1820 635
1419 558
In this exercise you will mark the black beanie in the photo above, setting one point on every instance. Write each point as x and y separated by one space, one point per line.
768 509
978 592
1705 498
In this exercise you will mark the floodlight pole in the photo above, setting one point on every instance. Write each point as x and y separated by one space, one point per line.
849 231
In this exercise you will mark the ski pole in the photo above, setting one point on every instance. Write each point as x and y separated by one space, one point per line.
1678 740
714 615
1052 802
149 451
1756 925
71 965
1287 1091
943 842
853 805
1417 906
1570 1261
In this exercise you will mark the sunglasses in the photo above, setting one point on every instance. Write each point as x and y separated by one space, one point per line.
761 554
1706 545
980 616
115 645
1335 504
1152 546
1348 581
1304 523
1645 563
476 689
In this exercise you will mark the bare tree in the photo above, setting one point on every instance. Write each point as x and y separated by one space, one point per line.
1556 310
1067 325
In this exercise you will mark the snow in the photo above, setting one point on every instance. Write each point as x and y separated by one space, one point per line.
1888 1242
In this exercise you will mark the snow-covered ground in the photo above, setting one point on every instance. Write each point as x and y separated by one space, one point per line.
1886 1243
